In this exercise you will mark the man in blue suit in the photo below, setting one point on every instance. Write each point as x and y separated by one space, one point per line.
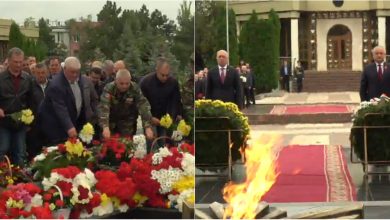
70 102
375 79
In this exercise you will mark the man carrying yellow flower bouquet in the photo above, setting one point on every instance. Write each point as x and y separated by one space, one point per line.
163 94
16 94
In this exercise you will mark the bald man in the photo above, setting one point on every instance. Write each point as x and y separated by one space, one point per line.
375 79
223 82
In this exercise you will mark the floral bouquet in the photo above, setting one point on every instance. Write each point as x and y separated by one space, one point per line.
163 179
179 130
23 201
10 174
25 116
76 189
111 152
71 153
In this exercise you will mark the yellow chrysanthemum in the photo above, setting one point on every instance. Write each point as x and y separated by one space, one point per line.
27 117
166 121
14 204
184 128
116 202
191 199
186 182
10 180
105 199
139 199
87 129
74 149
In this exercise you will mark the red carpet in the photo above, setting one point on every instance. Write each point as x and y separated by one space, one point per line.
310 109
314 173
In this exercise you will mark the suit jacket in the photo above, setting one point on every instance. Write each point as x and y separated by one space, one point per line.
58 111
282 73
370 84
200 88
229 91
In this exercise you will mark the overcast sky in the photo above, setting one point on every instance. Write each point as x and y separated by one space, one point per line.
62 10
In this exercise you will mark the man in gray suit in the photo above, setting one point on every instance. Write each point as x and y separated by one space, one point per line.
223 82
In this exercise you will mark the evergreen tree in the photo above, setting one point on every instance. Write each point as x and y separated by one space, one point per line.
46 41
16 38
184 39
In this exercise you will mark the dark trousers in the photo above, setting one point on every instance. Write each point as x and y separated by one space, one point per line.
247 96
13 143
299 84
286 83
252 95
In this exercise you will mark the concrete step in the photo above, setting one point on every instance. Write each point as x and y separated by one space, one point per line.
329 81
302 118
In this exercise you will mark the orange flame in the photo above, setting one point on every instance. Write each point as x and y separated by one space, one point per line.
244 198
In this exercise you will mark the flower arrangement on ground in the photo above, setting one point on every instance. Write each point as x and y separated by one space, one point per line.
11 174
377 139
113 151
212 147
23 201
72 152
163 179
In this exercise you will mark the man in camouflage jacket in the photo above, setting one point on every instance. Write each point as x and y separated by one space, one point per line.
120 103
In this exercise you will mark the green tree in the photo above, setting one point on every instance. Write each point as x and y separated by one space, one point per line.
184 39
16 38
259 45
46 40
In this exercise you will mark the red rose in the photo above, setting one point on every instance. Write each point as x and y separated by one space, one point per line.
47 196
83 193
59 203
62 148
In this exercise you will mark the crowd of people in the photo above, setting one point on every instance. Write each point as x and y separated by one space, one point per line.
63 99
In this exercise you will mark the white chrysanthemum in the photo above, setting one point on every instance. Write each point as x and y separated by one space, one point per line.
52 180
166 178
51 149
39 157
84 214
123 208
140 153
139 139
90 177
86 138
188 164
157 158
183 197
177 136
36 201
101 210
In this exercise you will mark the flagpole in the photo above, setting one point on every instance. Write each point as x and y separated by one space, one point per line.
227 27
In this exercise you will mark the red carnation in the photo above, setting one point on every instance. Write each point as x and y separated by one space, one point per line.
59 203
47 196
83 193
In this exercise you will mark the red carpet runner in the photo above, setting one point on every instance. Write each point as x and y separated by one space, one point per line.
310 109
314 173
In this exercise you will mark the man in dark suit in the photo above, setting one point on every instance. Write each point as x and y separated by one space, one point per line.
223 82
70 102
200 85
285 73
375 77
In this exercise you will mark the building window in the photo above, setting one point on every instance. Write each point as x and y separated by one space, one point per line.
338 3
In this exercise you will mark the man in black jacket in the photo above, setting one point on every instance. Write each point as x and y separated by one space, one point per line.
163 94
16 93
223 82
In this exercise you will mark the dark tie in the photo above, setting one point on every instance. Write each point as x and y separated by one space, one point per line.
222 75
380 72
